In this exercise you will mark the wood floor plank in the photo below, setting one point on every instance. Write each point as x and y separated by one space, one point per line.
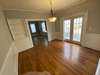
59 58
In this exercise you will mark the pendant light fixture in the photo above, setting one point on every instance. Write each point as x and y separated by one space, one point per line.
52 18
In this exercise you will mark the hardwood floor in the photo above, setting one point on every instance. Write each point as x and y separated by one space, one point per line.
59 58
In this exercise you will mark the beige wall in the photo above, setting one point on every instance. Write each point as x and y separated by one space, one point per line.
93 25
93 8
5 38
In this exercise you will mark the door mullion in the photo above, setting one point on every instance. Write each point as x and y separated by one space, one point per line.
71 30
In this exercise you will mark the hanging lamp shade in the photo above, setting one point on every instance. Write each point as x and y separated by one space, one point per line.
52 18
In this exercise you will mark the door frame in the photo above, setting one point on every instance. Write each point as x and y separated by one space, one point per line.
81 29
69 40
28 28
72 29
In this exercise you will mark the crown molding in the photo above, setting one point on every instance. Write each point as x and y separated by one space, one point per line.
31 11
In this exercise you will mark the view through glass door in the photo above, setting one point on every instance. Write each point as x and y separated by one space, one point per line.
77 29
67 26
72 29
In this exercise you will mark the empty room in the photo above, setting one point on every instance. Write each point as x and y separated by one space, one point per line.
49 37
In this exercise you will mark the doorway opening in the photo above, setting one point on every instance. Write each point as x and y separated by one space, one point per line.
38 31
73 29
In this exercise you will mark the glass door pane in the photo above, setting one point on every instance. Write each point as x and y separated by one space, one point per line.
67 29
33 29
77 29
44 27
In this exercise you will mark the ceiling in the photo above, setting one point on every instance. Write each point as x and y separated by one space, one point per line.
37 5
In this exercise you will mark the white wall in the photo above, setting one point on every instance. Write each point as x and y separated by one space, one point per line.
5 38
8 57
22 15
10 65
19 33
51 31
92 41
19 44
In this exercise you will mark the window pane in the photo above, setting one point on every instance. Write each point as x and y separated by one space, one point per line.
33 29
77 29
67 29
44 27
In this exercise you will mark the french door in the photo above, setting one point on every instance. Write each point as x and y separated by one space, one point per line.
73 29
67 29
38 29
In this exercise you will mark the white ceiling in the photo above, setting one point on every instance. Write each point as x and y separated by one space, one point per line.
37 5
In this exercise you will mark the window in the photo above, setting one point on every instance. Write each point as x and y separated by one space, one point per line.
44 27
77 28
33 29
67 29
73 29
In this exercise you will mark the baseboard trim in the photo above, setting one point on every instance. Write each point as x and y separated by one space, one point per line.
86 46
